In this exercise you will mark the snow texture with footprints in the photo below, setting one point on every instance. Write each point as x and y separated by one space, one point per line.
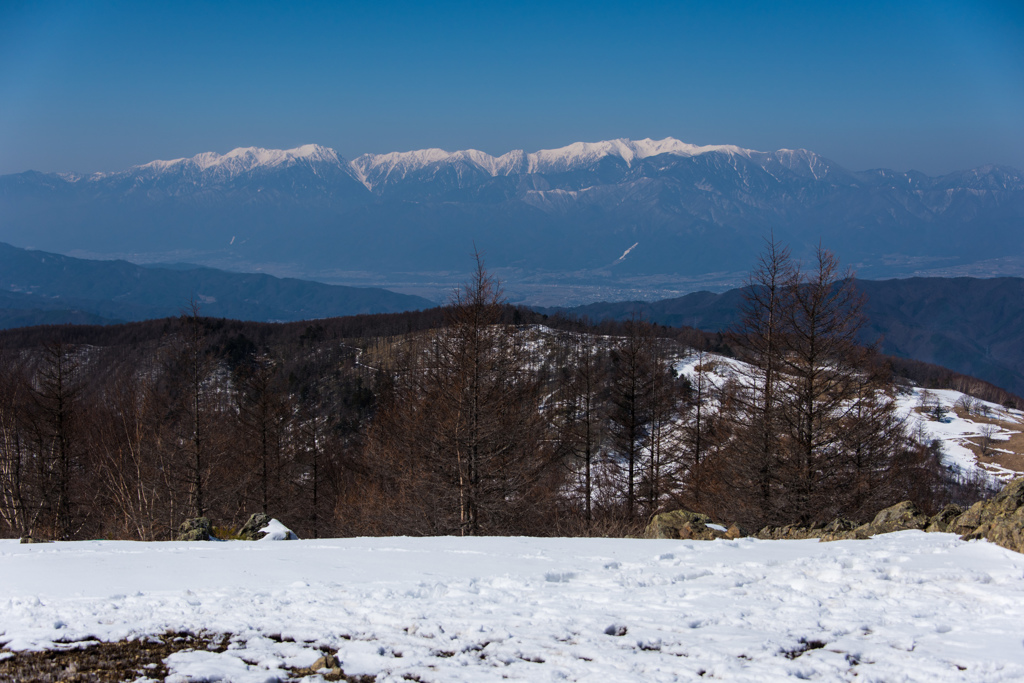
907 606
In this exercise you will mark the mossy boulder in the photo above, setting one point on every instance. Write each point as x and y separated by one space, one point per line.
999 520
681 525
250 531
790 532
195 529
942 521
842 529
968 521
898 517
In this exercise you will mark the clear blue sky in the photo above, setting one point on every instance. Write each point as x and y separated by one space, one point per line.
934 86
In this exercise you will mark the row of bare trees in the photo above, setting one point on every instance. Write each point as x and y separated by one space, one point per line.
478 425
814 431
129 442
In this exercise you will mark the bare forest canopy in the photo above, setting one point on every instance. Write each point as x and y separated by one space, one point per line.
475 418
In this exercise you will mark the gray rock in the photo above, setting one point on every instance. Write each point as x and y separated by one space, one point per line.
195 529
790 532
681 524
944 519
325 662
899 517
999 520
250 531
841 529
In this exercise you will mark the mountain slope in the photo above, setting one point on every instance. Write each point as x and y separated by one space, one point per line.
55 288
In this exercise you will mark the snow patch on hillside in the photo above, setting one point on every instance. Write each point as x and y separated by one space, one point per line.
953 431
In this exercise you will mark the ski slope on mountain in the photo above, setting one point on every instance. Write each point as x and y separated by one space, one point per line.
897 607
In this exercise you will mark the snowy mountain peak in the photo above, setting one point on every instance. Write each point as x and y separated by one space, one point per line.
245 159
629 151
376 169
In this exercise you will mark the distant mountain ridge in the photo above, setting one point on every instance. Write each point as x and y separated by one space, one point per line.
43 288
546 215
970 325
377 170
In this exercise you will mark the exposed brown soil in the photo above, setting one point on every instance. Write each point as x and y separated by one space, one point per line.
1014 459
96 662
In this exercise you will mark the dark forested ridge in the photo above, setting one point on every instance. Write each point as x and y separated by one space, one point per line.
476 418
970 325
41 288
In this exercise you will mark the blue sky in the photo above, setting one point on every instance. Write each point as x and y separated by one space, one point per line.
87 86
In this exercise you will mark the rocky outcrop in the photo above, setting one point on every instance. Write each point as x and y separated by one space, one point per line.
841 529
683 525
252 529
899 517
999 519
735 531
944 519
790 532
195 529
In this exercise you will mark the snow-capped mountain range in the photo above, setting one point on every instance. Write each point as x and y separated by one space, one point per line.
674 208
375 170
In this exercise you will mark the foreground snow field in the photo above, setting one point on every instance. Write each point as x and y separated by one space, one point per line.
907 606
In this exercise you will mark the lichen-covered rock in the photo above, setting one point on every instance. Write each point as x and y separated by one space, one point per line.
942 521
696 531
899 517
841 529
679 524
251 530
1005 530
195 529
790 532
1009 500
999 520
861 533
969 521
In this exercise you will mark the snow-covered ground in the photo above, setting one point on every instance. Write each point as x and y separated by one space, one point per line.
908 606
